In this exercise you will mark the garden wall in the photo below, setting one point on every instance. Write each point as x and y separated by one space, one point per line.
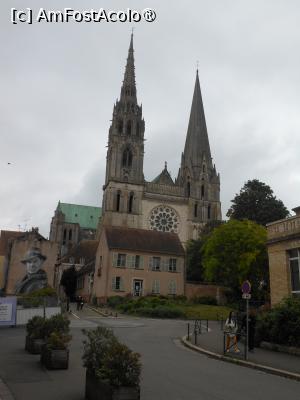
195 289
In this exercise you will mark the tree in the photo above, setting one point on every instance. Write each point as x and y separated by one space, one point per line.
194 270
257 203
69 281
234 252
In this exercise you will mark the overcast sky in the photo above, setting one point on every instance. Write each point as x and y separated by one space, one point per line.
59 83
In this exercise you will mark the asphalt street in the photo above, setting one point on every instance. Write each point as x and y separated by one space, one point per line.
170 371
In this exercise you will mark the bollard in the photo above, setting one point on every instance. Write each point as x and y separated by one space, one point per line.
195 337
188 335
207 325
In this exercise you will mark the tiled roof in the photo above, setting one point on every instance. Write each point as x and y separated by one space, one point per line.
85 249
5 237
85 216
143 240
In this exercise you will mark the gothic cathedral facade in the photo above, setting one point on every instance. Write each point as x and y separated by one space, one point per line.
182 206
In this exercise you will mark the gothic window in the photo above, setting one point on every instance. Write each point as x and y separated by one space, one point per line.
70 234
196 210
164 218
202 192
209 212
65 236
188 189
128 128
127 158
120 126
130 203
118 200
203 168
137 132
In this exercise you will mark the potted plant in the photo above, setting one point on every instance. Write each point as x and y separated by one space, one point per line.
55 352
113 370
35 337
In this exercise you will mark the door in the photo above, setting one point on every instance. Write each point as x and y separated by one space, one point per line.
137 287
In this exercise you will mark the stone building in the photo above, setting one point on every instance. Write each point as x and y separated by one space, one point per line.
182 206
72 223
6 240
284 257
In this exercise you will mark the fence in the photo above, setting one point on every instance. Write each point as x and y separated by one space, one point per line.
199 326
28 307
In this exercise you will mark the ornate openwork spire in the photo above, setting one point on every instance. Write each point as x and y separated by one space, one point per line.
128 87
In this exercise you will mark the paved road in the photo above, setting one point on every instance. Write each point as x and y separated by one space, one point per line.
170 371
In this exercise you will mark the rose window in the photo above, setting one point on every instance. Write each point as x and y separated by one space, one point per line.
165 219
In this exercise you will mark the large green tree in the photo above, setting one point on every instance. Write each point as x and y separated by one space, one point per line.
234 252
257 203
194 270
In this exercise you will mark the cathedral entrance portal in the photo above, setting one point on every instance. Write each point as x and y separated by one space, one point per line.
137 287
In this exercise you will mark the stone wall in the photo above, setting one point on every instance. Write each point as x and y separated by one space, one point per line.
193 289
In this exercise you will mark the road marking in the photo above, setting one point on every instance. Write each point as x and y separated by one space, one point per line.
75 315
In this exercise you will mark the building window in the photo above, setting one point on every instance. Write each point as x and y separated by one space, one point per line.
172 287
155 287
202 192
172 264
81 260
128 128
120 126
155 263
117 283
65 236
121 260
294 261
196 210
70 234
137 262
188 189
203 168
80 282
208 212
127 158
118 200
137 129
130 203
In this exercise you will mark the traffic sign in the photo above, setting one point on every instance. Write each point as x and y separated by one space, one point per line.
246 287
246 296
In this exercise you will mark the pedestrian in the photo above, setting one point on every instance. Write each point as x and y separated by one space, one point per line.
81 303
230 330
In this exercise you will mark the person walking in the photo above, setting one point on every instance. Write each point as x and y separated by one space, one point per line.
230 330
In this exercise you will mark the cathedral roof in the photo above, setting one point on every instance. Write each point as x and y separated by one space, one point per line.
86 216
120 238
164 178
197 144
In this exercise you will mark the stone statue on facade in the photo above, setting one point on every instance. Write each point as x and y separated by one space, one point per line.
35 278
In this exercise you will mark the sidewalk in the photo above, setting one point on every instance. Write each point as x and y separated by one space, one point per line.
213 342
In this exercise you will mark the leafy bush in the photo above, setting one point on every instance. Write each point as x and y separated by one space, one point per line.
209 300
58 341
57 323
114 301
110 360
161 312
35 328
281 325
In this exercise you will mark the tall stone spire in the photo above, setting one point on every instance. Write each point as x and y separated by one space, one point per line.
128 87
197 143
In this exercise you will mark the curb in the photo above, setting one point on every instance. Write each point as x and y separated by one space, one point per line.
5 393
248 364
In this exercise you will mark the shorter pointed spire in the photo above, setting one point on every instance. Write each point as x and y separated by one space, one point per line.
128 86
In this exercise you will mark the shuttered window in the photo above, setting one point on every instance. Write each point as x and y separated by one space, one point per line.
172 287
117 283
155 286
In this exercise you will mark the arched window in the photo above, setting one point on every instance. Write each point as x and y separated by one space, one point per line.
202 192
130 203
65 236
209 212
128 128
70 234
137 132
203 168
196 210
188 189
127 158
118 203
120 126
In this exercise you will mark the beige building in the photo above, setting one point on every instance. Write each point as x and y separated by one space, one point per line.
138 262
284 257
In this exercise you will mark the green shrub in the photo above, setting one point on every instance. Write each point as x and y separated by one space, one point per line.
114 301
110 360
160 312
58 341
281 324
35 328
57 323
209 300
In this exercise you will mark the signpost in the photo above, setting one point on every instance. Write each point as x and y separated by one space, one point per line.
246 290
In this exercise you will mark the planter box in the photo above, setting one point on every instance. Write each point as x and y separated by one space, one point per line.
34 346
55 359
95 389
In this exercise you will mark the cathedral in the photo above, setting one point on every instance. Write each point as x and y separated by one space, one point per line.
182 206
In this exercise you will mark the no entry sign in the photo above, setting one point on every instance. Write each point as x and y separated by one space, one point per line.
246 287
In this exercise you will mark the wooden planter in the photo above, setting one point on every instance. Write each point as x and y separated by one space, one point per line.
55 359
34 346
95 389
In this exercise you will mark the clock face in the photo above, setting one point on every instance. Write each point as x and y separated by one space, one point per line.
164 218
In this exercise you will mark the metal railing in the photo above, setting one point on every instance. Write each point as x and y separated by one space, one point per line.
195 329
